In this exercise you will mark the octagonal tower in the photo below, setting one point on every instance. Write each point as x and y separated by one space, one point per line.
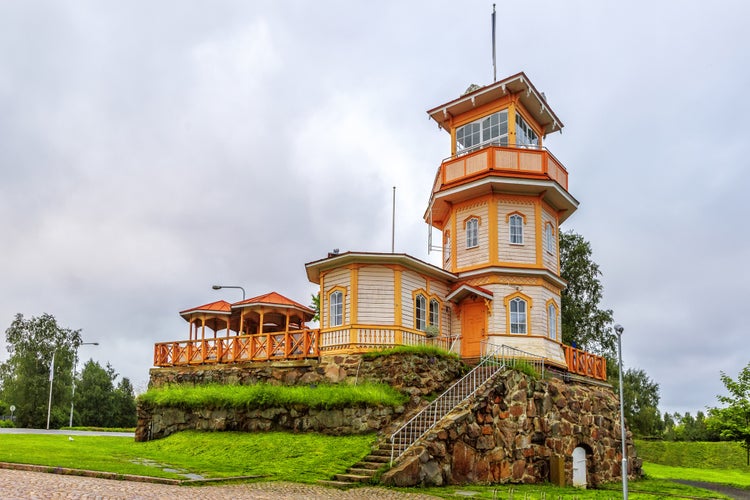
499 200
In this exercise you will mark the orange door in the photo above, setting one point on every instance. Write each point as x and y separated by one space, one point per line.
474 317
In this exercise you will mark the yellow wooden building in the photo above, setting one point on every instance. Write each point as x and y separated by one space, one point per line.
498 201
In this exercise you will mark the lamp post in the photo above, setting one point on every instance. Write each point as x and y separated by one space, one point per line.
73 394
618 330
219 287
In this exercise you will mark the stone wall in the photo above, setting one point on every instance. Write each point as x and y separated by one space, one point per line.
512 430
415 375
412 374
159 422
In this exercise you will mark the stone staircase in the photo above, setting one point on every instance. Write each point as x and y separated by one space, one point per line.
363 471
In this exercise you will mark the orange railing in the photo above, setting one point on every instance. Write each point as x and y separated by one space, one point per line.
584 363
528 161
288 345
267 346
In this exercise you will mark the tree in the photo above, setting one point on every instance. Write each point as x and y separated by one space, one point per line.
94 395
315 305
640 401
24 377
733 422
99 403
124 405
584 324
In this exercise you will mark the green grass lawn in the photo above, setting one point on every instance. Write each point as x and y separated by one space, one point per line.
275 455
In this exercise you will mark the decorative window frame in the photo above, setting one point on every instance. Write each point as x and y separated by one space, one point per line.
329 303
428 320
550 242
527 316
553 330
471 229
509 219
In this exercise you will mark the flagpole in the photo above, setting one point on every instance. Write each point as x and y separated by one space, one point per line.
494 59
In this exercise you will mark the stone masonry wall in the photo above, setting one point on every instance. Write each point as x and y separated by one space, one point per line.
414 375
509 432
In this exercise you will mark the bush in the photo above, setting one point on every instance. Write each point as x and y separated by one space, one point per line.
6 424
420 350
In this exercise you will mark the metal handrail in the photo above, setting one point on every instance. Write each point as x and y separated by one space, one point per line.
511 357
409 433
490 365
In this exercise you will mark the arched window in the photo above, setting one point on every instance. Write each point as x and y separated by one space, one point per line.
552 321
518 316
472 232
549 238
516 229
434 312
420 310
336 308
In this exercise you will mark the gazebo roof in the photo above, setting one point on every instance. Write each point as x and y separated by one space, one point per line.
273 299
218 307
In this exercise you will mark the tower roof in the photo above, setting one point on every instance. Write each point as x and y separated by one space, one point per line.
531 99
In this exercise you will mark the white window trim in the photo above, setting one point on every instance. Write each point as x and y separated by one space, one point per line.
518 315
510 229
420 321
552 321
500 139
472 232
336 309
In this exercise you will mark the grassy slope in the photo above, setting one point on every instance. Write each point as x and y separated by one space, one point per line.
722 462
275 455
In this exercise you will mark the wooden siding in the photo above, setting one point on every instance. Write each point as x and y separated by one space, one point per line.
525 253
410 281
550 259
376 300
336 277
479 255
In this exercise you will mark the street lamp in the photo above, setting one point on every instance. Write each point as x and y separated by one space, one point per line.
73 394
618 330
219 287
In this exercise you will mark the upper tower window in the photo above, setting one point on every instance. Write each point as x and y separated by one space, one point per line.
525 135
516 229
472 232
491 129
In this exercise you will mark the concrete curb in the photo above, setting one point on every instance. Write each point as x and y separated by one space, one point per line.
121 477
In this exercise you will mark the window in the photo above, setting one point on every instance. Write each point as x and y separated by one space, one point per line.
516 229
420 308
493 128
472 233
447 249
518 316
434 312
525 135
552 321
336 309
549 238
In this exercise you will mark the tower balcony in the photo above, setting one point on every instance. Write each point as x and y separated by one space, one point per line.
504 160
495 168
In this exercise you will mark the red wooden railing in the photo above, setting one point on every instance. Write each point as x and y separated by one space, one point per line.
585 363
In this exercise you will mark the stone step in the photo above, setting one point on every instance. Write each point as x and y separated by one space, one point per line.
354 478
370 465
378 458
337 484
362 471
381 452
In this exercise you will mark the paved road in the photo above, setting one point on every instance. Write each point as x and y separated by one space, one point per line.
16 484
66 433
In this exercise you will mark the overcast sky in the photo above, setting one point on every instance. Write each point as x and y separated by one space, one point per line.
152 149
